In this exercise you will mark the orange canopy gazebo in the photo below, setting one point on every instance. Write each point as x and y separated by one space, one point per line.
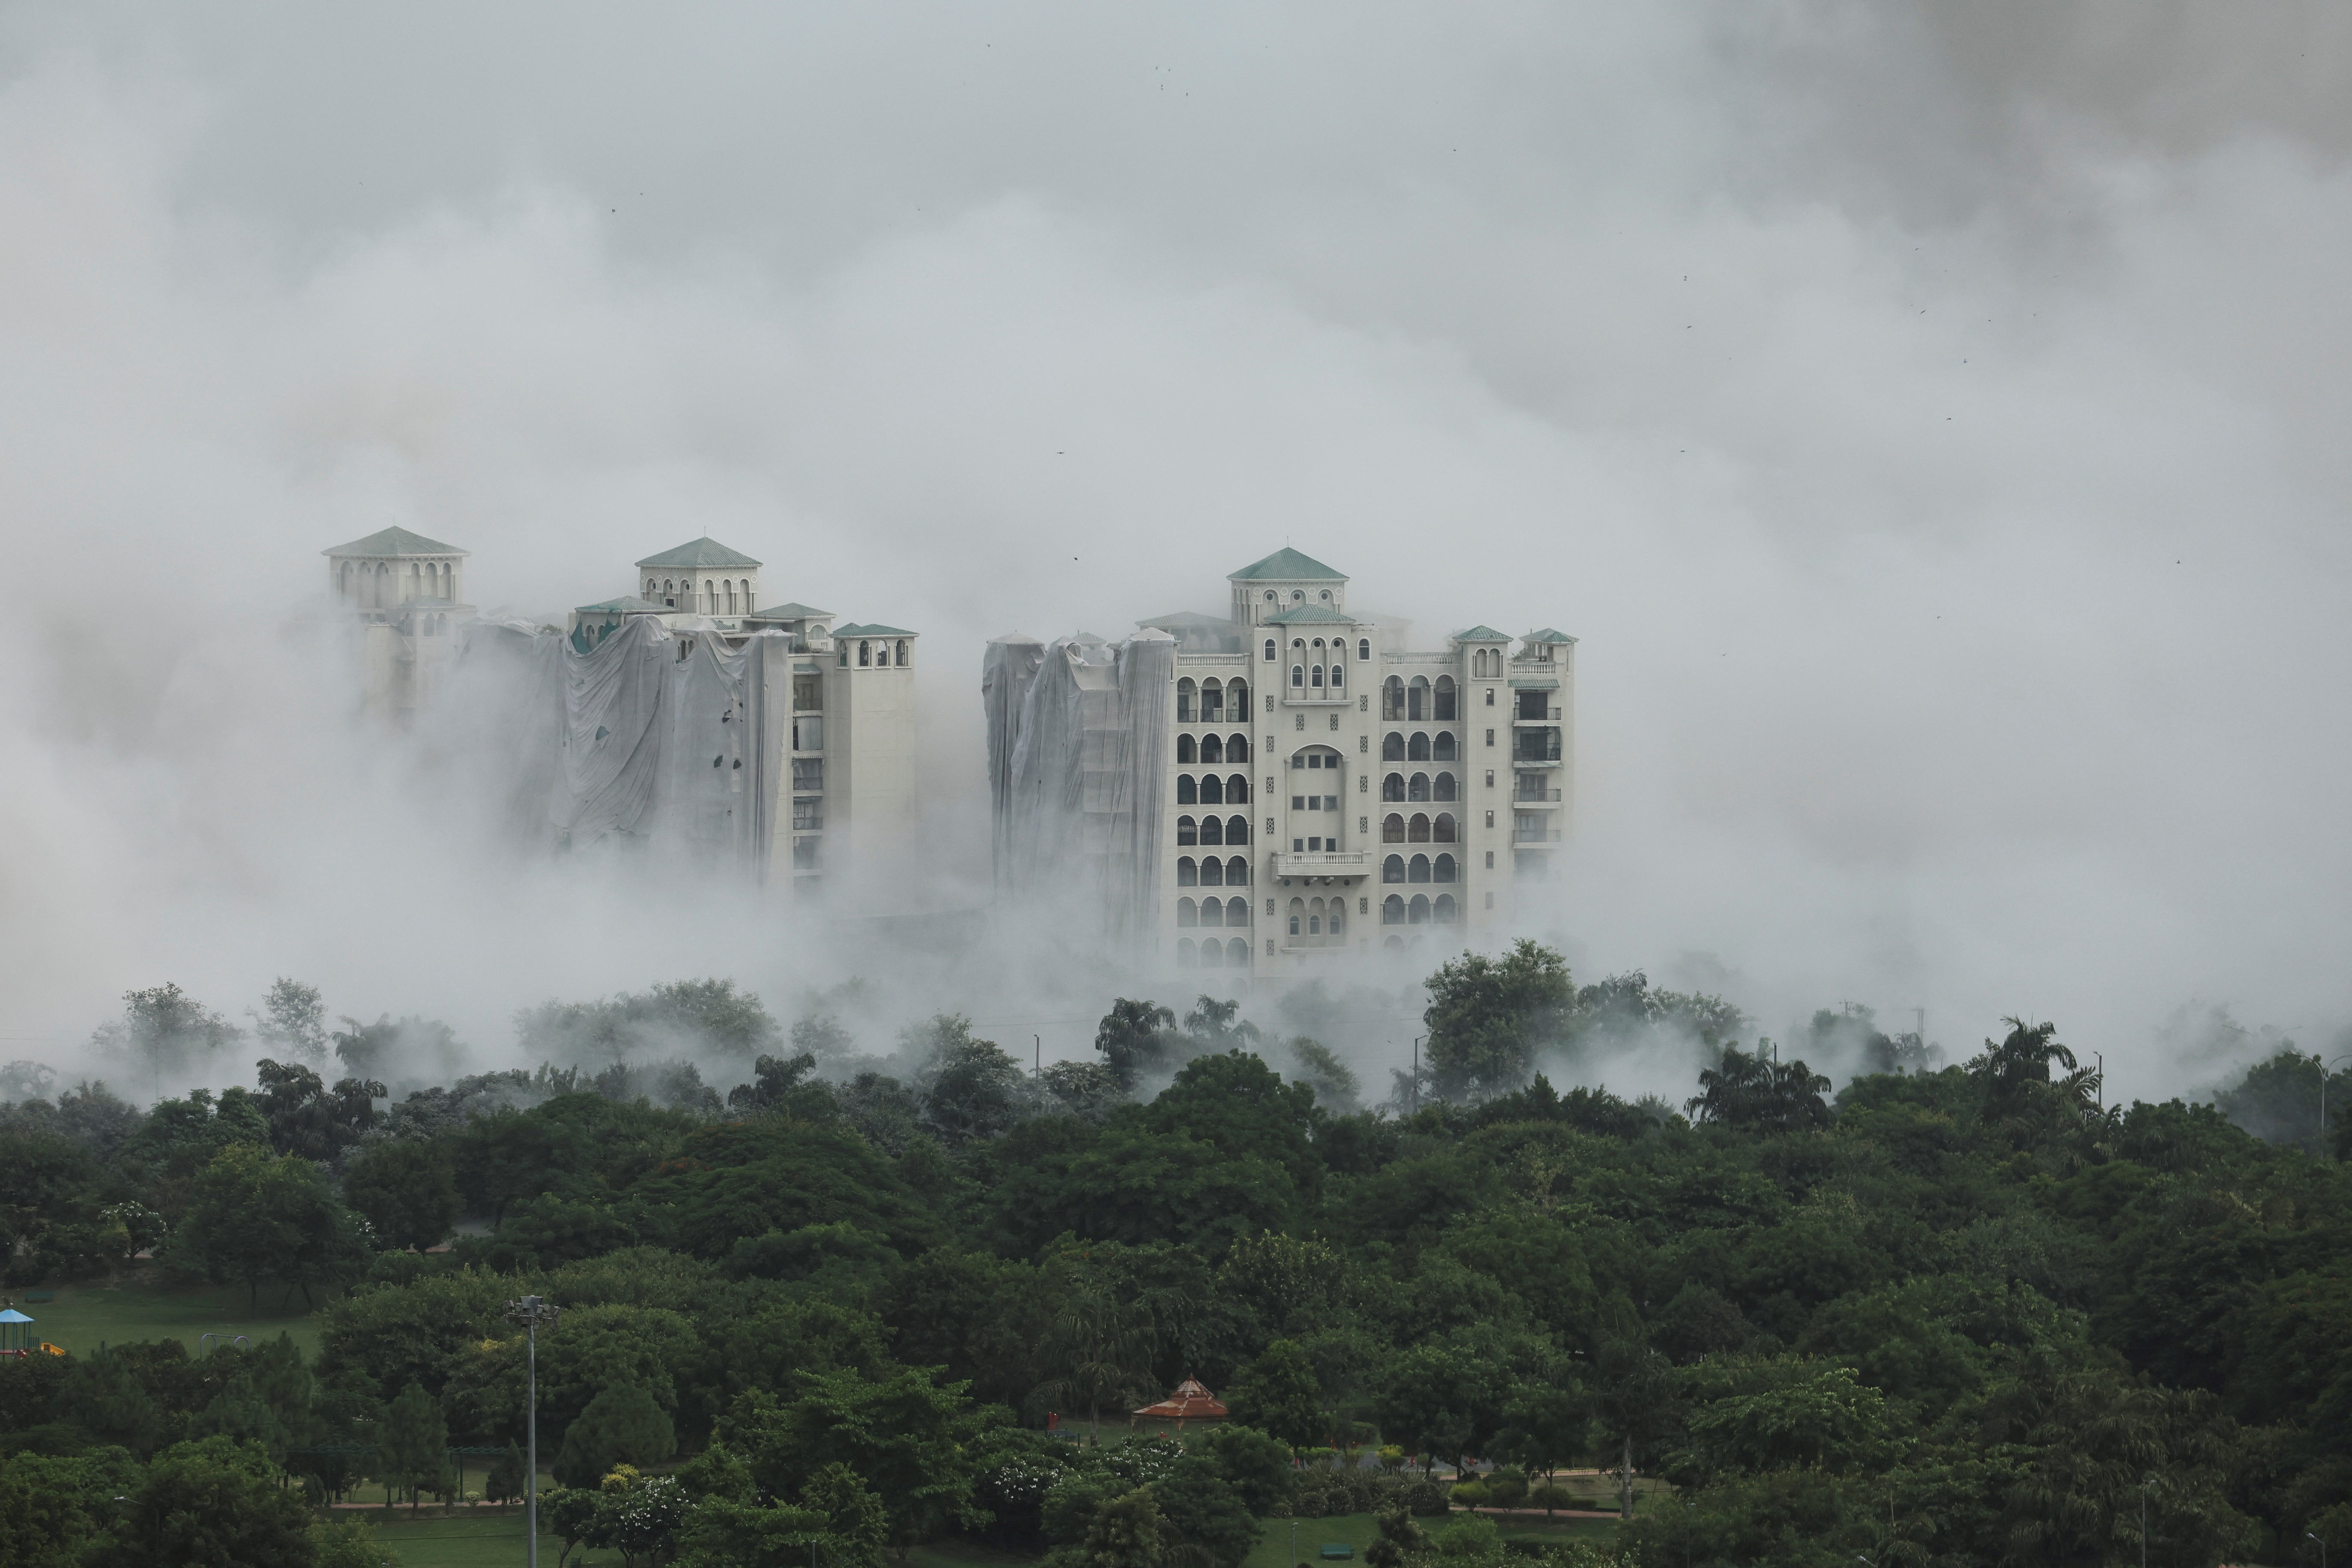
1190 1402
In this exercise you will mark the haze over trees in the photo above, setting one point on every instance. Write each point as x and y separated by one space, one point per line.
1948 1315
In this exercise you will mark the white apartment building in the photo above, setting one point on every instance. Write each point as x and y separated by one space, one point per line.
809 726
1309 787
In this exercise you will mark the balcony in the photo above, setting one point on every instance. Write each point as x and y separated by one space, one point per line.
1322 863
1549 716
1309 696
1535 798
1534 836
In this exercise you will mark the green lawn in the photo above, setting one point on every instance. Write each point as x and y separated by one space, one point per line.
491 1542
85 1316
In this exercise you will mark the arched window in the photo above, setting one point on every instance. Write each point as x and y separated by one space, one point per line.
1392 911
1212 911
1444 787
748 606
882 656
730 595
1213 790
1237 698
1212 749
1236 952
1443 828
1417 748
1417 912
1442 868
1443 751
1187 792
1315 917
1417 869
1417 830
1237 747
1187 831
1185 693
1213 702
1212 955
1392 788
651 587
1212 830
1188 873
1236 913
1338 674
1237 830
1444 909
902 653
1339 926
1270 595
1315 677
1393 828
1392 747
1213 872
865 655
710 598
1445 714
1237 789
1418 789
1188 913
1299 677
1393 698
1187 955
1186 755
1269 650
1364 649
1416 697
1298 914
1393 869
1236 872
1297 596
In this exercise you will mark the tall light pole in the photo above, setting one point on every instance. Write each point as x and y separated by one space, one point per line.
2323 1104
2323 1548
1416 1078
531 1312
2143 1520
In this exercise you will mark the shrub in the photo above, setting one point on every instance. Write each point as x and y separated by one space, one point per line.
1508 1486
1471 1494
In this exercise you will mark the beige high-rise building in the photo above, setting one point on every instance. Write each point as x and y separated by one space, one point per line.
1286 784
408 594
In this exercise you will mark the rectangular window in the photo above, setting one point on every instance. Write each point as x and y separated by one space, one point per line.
808 734
1490 737
1314 845
808 691
1490 778
808 815
804 853
1298 846
1363 906
1490 702
1490 820
1298 802
1490 866
808 773
1363 825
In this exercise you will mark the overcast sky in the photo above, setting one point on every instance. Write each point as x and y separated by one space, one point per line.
1932 420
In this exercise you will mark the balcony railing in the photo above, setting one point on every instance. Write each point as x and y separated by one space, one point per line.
1322 863
1550 716
1534 836
1535 796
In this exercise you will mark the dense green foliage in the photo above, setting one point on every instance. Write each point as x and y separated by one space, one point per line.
1943 1317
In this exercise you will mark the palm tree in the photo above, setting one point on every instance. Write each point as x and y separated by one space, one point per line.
1129 1037
1102 1351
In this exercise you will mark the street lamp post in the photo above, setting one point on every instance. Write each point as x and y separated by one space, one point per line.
1416 1078
531 1312
2323 1548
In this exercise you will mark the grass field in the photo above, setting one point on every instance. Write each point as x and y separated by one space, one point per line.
1360 1530
494 1542
83 1317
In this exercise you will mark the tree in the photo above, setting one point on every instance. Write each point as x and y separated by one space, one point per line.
407 1190
1254 1464
292 1020
1547 1423
412 1448
1783 1412
902 1432
349 1543
622 1425
1203 1511
1399 1537
253 1217
307 1117
1636 1387
216 1502
505 1481
1280 1396
166 1030
1126 1533
1487 1018
568 1513
1100 1351
971 1089
370 1051
1758 1094
1130 1040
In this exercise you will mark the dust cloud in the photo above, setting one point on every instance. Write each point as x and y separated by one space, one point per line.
1930 425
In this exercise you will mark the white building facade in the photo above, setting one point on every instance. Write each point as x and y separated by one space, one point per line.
408 594
1313 788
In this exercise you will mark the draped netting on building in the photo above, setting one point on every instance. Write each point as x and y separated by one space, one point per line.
1077 743
672 742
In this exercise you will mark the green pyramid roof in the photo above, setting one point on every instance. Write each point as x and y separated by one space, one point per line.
396 541
1480 633
1548 635
703 551
1286 565
857 631
1301 615
789 612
